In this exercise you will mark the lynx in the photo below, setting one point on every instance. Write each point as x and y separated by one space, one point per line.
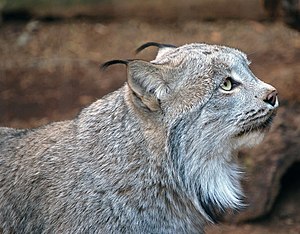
156 156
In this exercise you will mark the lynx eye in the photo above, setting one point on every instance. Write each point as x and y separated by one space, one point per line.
228 84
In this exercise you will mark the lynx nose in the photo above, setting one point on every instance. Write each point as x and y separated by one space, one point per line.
271 98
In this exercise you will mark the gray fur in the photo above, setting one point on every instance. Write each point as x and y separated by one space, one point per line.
155 156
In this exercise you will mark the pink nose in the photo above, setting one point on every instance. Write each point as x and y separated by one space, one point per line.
271 98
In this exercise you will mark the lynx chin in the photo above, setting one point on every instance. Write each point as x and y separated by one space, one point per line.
156 156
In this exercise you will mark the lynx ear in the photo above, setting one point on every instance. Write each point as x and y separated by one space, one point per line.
147 83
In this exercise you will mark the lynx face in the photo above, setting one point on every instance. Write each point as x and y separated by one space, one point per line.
216 84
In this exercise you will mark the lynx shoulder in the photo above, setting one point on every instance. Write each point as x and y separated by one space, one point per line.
155 156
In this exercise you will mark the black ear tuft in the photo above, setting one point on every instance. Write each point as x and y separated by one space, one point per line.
112 62
159 45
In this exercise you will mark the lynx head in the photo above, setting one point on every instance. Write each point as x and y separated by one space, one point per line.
211 104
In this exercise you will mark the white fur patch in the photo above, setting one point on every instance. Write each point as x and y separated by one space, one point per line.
249 140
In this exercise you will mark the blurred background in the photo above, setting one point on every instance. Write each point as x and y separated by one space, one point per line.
50 52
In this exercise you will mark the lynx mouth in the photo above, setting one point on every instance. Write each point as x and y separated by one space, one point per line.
261 126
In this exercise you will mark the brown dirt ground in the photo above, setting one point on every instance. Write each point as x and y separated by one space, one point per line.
50 70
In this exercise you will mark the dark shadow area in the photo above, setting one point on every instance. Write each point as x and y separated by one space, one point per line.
286 208
16 15
287 205
24 16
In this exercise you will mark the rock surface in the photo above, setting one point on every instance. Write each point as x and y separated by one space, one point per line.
148 10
